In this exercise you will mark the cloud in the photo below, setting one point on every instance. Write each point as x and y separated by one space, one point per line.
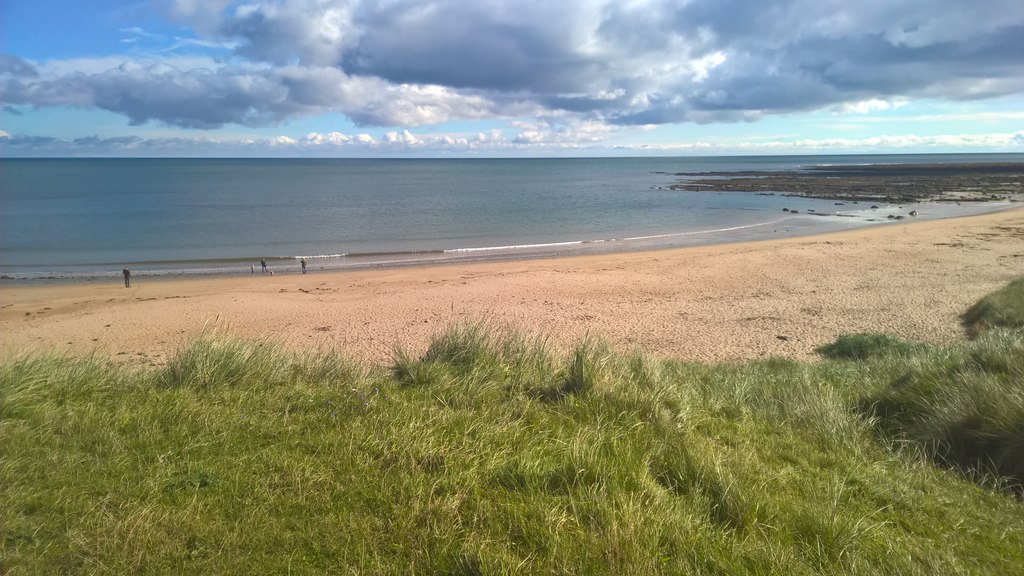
418 62
868 106
989 117
524 139
192 98
313 32
208 94
873 144
201 15
701 60
137 33
568 131
14 69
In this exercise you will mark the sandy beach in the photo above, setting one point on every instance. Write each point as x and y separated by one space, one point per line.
734 301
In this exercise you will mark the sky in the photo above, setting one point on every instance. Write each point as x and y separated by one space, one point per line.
509 78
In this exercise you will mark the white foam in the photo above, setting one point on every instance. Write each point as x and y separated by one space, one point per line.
319 256
712 231
519 246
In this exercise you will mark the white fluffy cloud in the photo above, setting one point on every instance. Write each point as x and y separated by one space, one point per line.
530 139
888 143
868 106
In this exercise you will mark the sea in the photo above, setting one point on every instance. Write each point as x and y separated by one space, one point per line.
86 219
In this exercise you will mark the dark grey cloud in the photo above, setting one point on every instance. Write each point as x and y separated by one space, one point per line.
16 67
18 145
115 142
207 95
411 62
313 32
502 46
195 98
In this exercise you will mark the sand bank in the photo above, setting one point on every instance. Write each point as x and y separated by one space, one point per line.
734 301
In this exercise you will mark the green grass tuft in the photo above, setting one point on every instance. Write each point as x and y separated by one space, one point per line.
964 406
210 362
865 346
1001 309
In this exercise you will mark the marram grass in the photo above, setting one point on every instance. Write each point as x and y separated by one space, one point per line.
964 409
1001 309
488 454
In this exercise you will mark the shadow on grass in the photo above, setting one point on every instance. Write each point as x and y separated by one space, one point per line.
964 407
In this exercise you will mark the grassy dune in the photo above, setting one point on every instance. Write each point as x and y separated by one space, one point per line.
489 454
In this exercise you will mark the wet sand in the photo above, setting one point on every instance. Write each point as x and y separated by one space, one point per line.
733 301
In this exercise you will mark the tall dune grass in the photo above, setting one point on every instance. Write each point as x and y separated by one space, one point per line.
962 407
1001 309
489 453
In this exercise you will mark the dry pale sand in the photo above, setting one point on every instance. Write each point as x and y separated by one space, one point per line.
771 298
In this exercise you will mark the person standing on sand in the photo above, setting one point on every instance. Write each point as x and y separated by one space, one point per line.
303 263
263 264
127 277
252 268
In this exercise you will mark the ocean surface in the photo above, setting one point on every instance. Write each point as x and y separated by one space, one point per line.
87 218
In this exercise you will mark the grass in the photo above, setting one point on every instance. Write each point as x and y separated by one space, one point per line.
963 407
1001 309
864 346
491 454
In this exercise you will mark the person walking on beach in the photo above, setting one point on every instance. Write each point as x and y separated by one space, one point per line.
252 268
303 263
127 277
263 264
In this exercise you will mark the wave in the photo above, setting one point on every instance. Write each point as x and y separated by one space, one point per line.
246 260
517 247
569 243
712 231
381 254
318 256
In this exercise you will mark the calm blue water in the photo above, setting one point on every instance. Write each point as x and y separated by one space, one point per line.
75 218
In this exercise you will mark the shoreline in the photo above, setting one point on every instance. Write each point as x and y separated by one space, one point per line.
790 224
776 297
